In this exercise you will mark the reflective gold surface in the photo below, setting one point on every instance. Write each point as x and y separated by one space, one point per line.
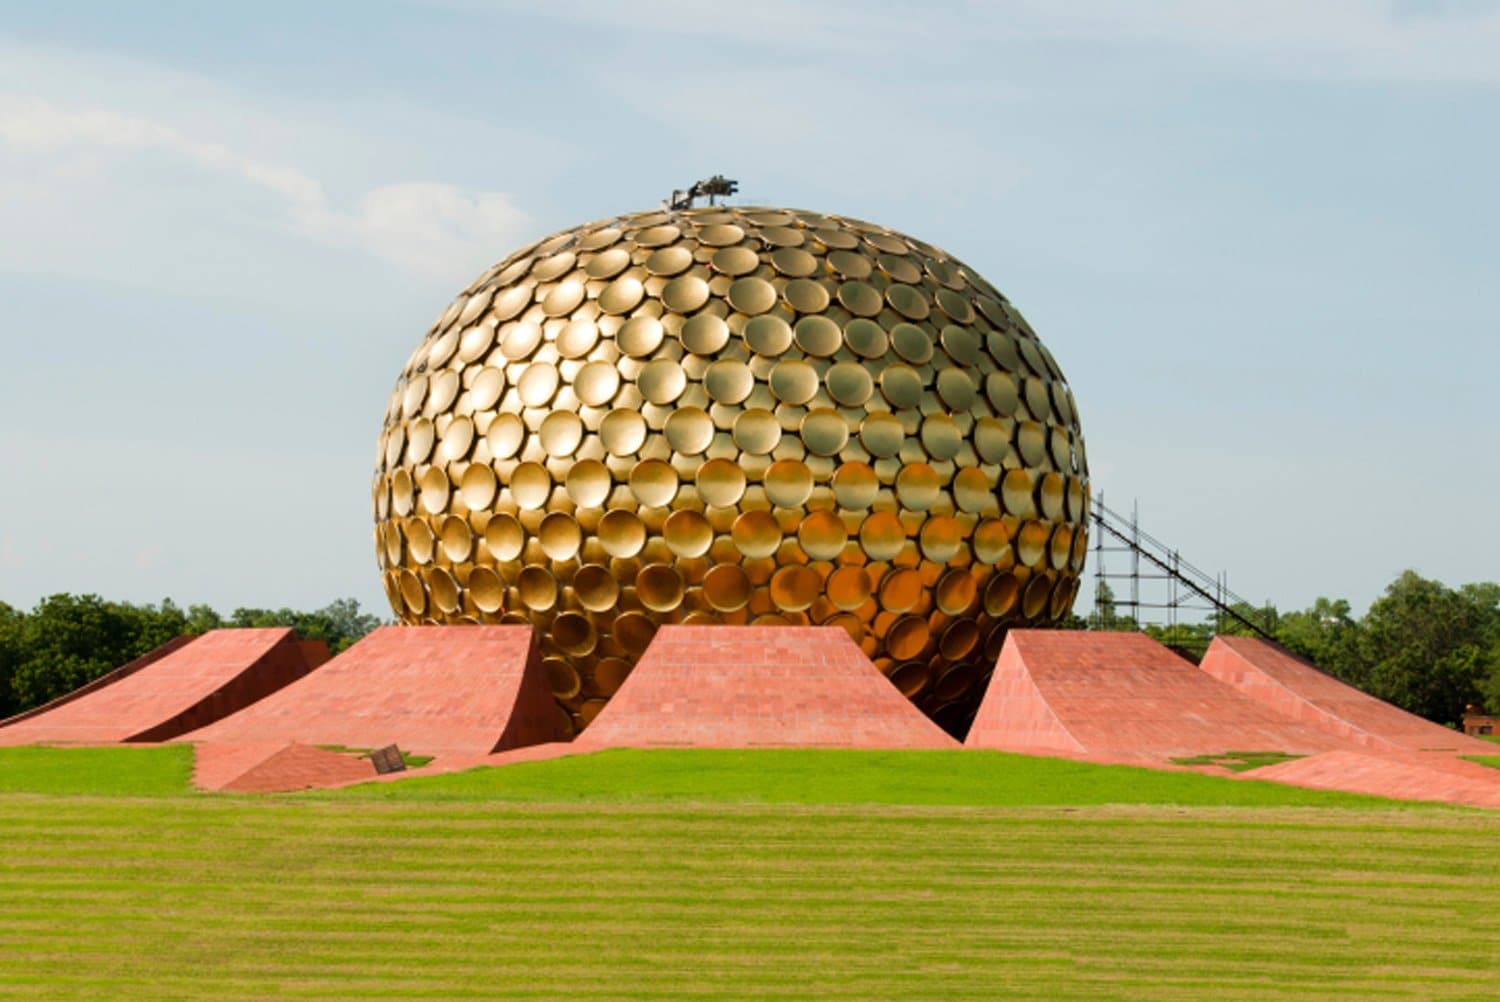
735 415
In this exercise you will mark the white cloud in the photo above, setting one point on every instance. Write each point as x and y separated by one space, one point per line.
426 228
429 228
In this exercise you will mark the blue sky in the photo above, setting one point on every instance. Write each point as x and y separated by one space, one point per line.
1259 237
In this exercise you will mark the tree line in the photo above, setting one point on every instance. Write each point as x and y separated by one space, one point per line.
69 640
1428 648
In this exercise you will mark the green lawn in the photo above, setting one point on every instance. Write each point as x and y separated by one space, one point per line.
820 875
156 770
800 776
1239 761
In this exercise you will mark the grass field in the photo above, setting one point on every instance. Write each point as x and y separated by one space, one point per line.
678 874
951 778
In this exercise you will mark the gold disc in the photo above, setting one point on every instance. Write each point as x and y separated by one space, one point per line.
726 587
596 588
882 536
588 483
623 432
654 483
788 483
794 588
621 533
756 534
849 587
688 533
537 588
659 587
855 486
768 335
705 334
504 538
822 535
756 431
640 336
721 483
689 431
560 536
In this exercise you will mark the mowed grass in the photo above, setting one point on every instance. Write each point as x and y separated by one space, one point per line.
826 776
479 886
154 770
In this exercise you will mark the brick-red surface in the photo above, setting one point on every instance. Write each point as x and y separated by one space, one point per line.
1121 697
301 767
759 686
1402 774
216 765
1279 679
315 653
433 690
194 684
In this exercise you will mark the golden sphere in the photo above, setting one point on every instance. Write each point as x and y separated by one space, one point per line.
735 415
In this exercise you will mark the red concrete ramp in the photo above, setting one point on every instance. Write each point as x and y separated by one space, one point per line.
759 686
432 690
1271 675
1121 697
1404 775
301 767
183 685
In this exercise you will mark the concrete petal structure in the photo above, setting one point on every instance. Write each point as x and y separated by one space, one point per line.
756 687
1122 697
1272 676
181 686
464 691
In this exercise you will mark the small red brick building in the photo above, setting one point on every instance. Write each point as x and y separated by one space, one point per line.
1477 724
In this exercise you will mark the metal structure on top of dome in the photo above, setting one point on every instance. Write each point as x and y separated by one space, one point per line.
736 415
711 188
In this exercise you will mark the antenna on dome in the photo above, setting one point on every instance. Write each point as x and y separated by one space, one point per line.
711 188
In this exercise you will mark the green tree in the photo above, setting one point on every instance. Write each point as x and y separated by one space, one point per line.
201 619
1428 648
1106 615
11 621
1264 616
1324 634
69 640
338 624
1191 638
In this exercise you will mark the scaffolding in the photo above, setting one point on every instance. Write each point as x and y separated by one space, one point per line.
1160 586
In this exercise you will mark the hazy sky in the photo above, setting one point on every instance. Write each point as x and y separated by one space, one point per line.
1260 238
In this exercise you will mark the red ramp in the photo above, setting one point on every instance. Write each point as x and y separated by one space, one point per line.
1272 676
260 768
1406 775
1121 697
182 685
432 690
759 686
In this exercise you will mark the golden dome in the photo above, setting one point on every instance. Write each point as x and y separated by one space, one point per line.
736 415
